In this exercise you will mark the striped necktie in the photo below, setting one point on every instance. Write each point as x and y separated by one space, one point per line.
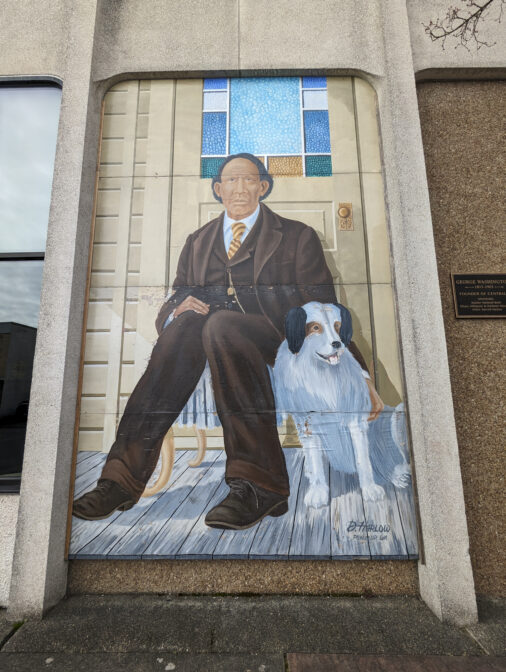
238 228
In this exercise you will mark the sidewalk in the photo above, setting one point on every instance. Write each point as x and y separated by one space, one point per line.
259 634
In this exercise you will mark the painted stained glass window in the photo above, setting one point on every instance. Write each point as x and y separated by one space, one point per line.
284 121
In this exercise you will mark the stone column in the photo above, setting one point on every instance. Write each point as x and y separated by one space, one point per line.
445 573
39 570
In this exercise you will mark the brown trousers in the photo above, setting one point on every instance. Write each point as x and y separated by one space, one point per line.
238 348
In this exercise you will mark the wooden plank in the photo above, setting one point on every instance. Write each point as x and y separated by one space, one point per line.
83 455
138 538
91 409
172 536
112 382
384 527
83 531
348 538
91 471
406 504
235 544
101 544
273 537
202 540
94 378
99 315
311 528
90 440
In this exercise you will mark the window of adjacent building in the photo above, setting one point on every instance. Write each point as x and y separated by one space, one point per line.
28 128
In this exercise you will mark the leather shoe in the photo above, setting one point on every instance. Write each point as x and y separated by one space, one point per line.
245 505
106 498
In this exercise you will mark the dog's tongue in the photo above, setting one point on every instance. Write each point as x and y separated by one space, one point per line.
333 359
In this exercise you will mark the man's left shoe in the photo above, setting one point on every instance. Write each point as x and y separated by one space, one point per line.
245 505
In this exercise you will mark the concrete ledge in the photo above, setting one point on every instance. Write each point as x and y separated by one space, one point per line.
240 625
243 576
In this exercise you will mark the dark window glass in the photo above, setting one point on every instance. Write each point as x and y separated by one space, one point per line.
28 127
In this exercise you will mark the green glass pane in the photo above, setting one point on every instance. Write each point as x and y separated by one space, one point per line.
209 166
318 166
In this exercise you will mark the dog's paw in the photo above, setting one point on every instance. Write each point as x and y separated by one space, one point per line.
401 476
372 492
317 496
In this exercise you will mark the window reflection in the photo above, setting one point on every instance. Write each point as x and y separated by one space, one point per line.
20 283
28 127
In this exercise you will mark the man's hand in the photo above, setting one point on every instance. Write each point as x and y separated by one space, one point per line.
191 303
376 404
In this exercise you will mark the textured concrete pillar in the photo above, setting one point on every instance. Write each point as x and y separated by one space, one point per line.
446 579
39 570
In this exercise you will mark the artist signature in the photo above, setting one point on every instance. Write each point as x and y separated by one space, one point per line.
367 526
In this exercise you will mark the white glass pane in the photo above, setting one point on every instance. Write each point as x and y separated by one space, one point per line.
215 101
315 100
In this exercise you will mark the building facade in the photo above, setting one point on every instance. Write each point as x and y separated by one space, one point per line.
436 115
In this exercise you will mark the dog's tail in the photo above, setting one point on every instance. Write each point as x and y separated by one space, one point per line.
168 452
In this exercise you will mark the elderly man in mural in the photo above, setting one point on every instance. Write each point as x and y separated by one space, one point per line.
237 278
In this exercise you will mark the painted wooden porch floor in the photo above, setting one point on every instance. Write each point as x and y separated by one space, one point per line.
171 523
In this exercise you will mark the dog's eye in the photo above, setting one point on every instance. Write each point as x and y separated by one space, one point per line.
314 328
337 326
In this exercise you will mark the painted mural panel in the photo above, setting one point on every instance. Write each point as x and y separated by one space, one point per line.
241 390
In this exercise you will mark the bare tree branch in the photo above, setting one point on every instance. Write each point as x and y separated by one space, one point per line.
462 23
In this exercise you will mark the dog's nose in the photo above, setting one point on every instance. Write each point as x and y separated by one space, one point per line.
336 344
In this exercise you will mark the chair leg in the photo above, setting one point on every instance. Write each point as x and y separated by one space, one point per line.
201 447
168 453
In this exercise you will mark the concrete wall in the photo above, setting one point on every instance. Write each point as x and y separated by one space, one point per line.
8 516
92 44
465 146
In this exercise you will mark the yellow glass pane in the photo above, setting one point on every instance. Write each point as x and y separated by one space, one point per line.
285 165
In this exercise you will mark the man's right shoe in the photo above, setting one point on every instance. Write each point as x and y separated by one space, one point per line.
245 505
106 498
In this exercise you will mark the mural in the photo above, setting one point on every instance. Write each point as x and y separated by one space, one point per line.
241 390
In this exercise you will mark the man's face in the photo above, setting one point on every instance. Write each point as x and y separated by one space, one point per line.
240 188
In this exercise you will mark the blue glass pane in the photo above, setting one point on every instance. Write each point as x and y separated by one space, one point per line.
265 115
314 82
318 166
316 131
210 167
217 83
214 133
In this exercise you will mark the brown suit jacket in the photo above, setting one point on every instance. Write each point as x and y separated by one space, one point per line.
289 267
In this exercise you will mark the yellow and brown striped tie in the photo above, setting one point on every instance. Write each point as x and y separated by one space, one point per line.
238 228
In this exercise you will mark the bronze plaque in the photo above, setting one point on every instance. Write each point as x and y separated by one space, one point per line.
479 294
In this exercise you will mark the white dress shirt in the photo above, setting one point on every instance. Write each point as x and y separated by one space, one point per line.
247 221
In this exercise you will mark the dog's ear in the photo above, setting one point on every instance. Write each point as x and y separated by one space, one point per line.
295 329
346 331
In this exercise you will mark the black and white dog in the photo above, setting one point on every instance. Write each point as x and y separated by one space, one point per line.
322 386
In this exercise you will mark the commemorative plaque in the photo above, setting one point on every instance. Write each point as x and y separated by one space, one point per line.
479 294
